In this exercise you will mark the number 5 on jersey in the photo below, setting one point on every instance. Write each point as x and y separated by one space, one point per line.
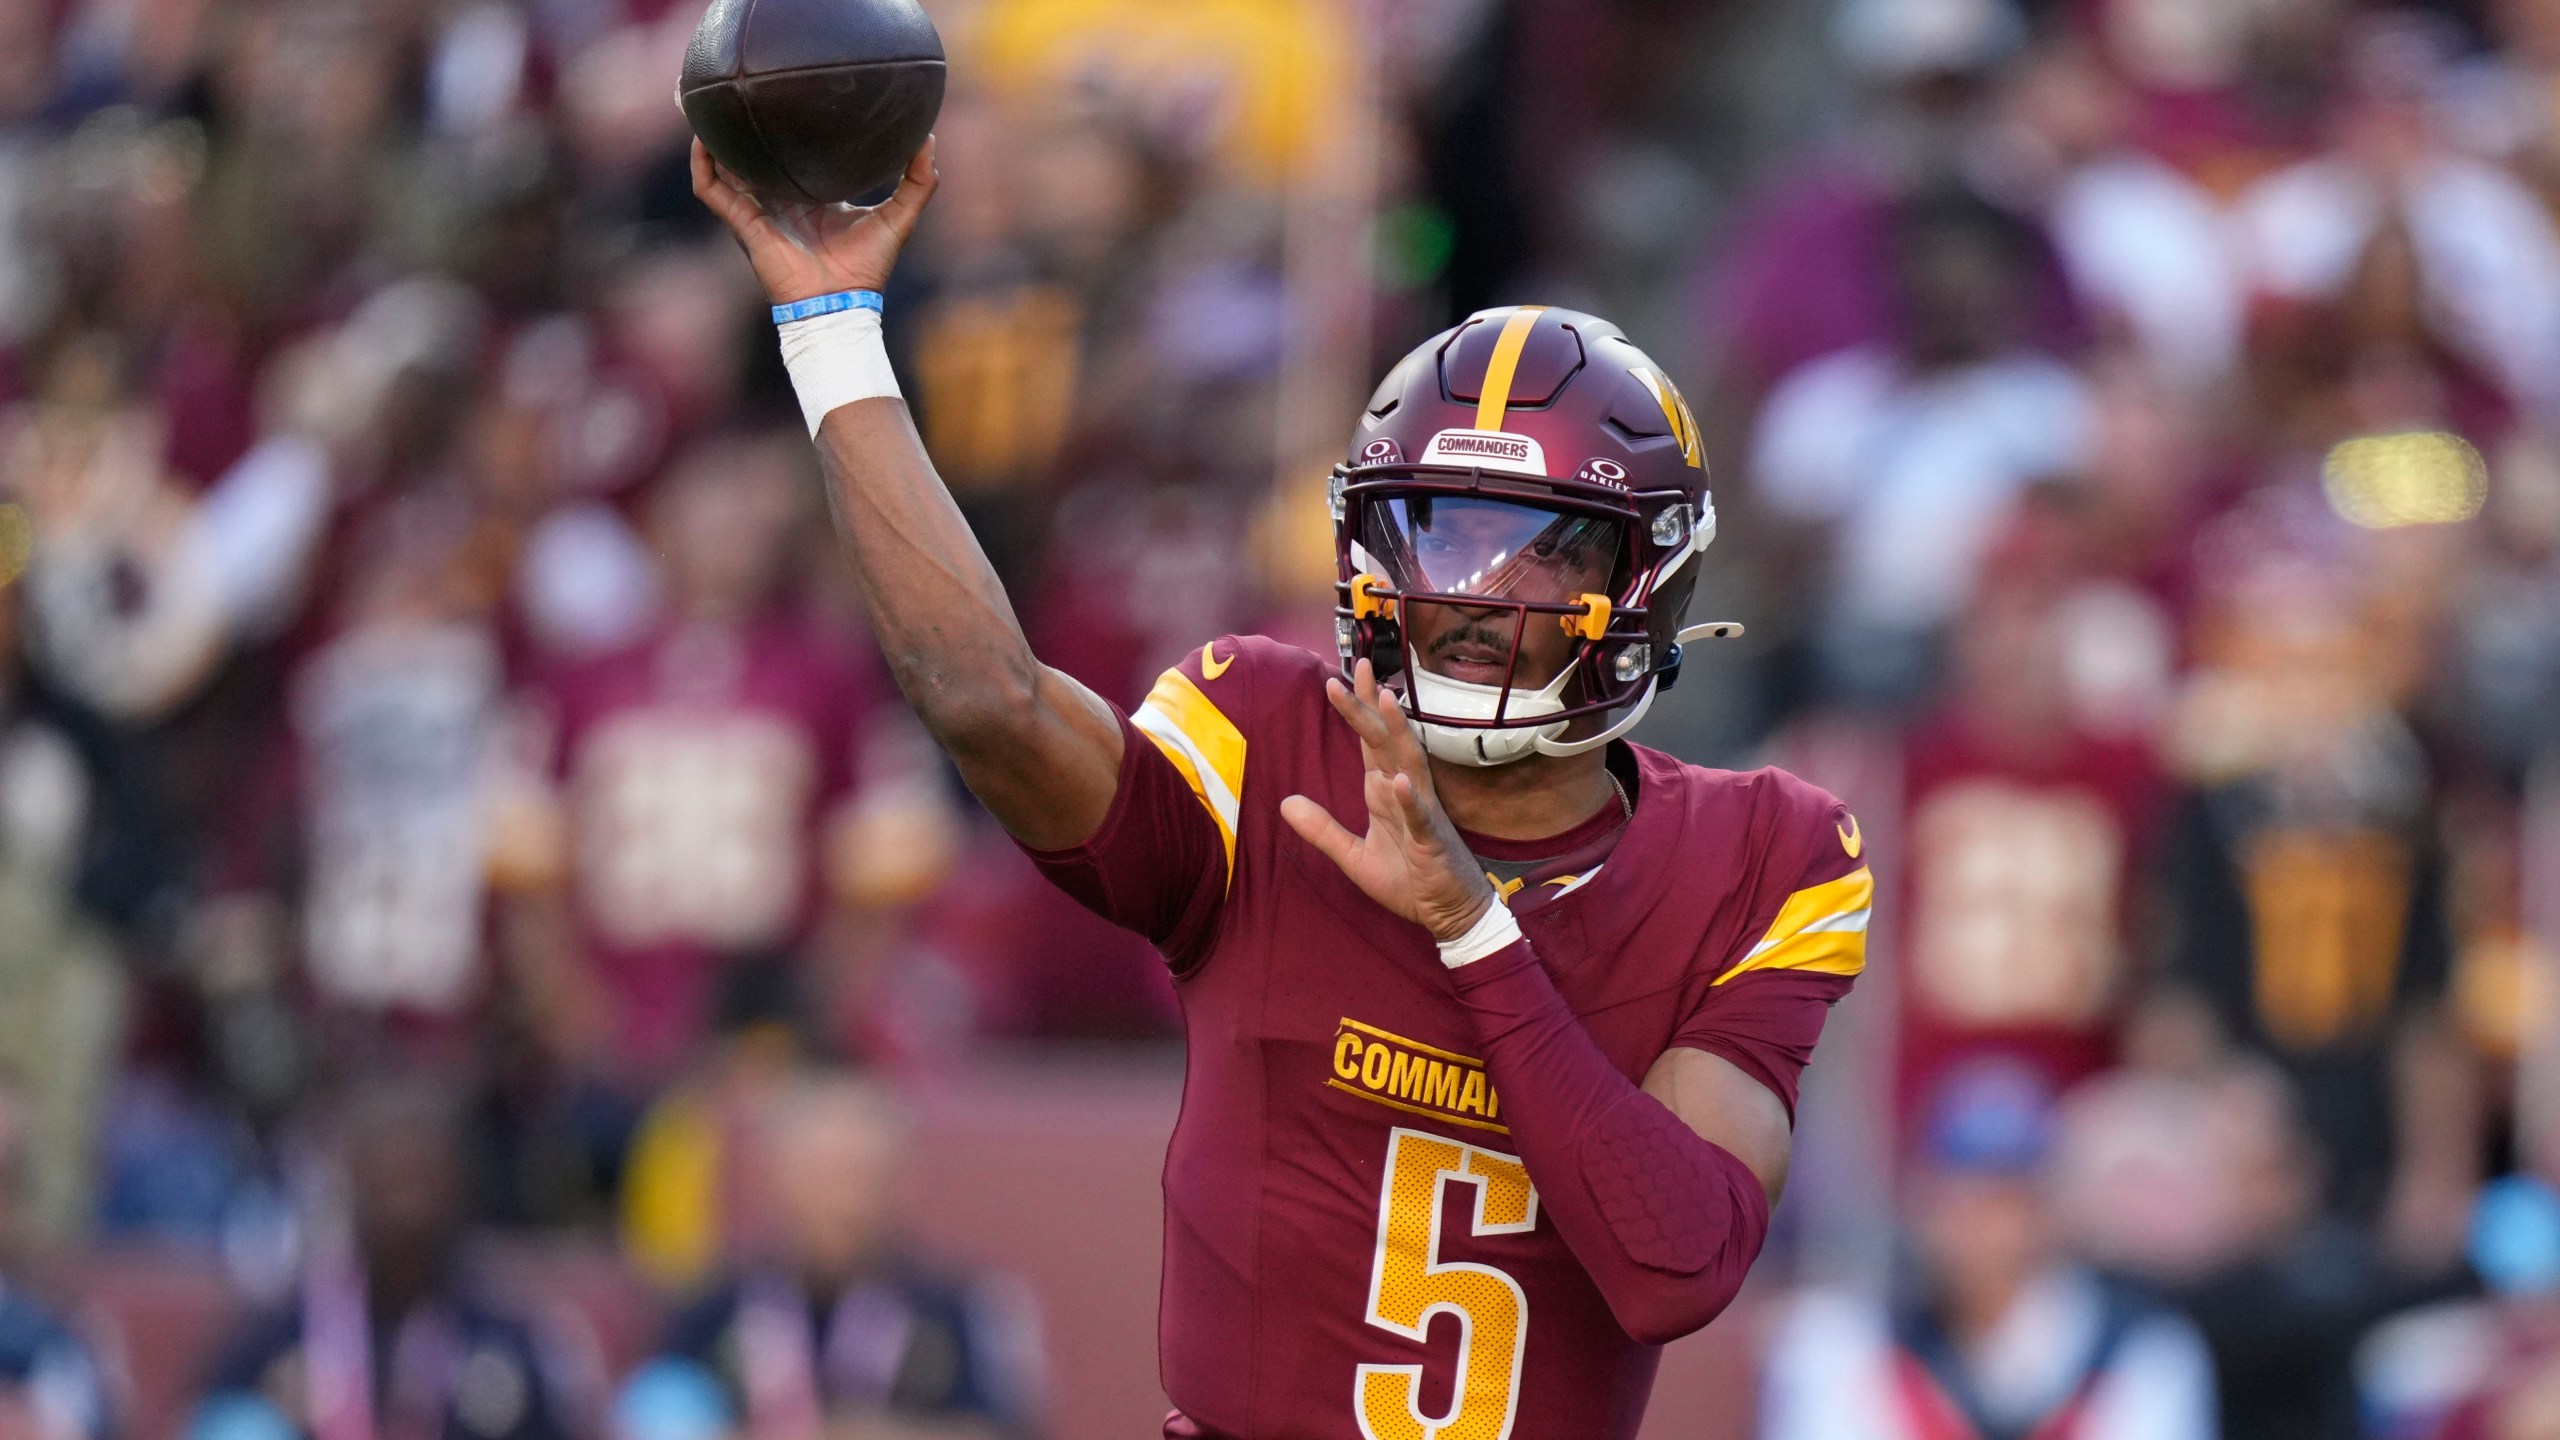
1408 1284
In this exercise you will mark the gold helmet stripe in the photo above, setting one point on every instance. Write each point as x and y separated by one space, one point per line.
1498 372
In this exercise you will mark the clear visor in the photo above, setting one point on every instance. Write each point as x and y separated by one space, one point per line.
1467 545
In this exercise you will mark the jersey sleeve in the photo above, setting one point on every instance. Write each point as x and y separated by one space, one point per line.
1162 860
1764 1011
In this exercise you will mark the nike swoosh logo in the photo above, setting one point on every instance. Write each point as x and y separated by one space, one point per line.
1849 837
1211 667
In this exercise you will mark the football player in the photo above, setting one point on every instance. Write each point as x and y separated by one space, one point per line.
1495 1019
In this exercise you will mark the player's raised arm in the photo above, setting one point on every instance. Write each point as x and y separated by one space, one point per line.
1039 749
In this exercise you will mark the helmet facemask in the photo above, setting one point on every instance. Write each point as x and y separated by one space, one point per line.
1460 588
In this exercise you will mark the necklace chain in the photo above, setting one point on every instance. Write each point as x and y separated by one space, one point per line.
1625 804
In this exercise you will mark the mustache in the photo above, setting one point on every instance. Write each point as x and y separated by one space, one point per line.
1491 634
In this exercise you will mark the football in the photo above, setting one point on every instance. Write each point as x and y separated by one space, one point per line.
817 101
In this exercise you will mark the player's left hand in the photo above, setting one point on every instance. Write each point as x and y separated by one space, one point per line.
1411 860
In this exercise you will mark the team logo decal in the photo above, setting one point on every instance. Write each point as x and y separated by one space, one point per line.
1675 413
1381 451
1418 1079
1487 450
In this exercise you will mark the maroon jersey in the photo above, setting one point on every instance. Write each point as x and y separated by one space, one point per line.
1352 1247
699 766
2014 921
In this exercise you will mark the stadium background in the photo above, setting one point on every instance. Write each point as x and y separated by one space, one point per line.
2132 424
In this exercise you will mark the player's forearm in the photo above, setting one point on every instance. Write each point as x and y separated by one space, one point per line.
1666 1222
1037 748
944 624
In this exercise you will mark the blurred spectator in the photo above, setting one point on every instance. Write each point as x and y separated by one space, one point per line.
395 719
2506 669
51 1387
61 986
832 1324
2004 1333
2515 1246
1906 454
1812 266
2307 873
2027 826
691 1193
2205 1184
2499 101
124 610
2484 252
2146 246
390 1333
2223 93
711 777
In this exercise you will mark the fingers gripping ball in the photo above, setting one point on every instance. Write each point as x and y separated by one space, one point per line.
814 101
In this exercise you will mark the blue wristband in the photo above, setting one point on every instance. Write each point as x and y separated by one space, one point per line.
817 305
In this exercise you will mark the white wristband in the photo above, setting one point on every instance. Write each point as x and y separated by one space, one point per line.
835 360
1493 929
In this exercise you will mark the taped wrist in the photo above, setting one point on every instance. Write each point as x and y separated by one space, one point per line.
1493 929
835 359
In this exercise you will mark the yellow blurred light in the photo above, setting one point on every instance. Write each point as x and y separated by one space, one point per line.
1279 72
2425 477
17 537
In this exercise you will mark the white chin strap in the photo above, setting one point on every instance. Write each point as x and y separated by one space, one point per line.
1518 737
1464 700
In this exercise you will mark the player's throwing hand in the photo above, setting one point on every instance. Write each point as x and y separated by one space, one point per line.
804 250
1411 861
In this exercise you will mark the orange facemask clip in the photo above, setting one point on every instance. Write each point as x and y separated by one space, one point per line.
1592 623
1366 603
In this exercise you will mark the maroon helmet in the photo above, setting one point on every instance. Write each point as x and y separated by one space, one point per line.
1529 467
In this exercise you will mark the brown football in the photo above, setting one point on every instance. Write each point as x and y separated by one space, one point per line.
813 100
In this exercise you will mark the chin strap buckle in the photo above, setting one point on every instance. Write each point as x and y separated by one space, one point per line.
1367 603
1593 621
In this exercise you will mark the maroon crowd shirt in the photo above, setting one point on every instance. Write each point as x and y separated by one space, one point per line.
1352 1247
2018 893
699 767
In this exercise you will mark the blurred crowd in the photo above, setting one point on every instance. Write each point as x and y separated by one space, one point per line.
2147 409
445 787
447 793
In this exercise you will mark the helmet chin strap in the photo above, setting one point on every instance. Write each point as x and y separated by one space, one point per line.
1485 748
1466 700
1586 745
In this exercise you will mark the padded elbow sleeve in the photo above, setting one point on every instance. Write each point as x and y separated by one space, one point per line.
1676 1203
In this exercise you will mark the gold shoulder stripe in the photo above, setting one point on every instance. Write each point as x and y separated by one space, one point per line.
1822 928
1203 744
1504 366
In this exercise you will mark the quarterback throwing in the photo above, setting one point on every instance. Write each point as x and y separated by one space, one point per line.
1495 1019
